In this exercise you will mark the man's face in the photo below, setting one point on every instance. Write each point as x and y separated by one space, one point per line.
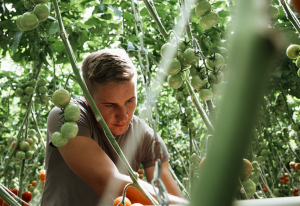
116 103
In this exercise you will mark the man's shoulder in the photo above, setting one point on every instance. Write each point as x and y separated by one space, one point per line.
139 125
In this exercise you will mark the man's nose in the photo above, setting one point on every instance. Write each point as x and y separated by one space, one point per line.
122 115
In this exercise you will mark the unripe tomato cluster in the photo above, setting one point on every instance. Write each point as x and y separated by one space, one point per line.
280 106
41 97
208 18
30 20
26 148
61 98
293 52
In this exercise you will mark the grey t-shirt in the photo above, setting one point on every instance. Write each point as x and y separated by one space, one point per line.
63 186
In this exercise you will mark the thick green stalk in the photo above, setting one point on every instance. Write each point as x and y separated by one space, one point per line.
197 104
7 197
98 115
178 182
233 127
21 179
156 18
290 15
38 129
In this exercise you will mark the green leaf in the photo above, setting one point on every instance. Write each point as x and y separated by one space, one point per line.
224 13
16 41
117 12
57 46
102 8
23 62
144 12
218 4
52 18
83 37
128 16
53 28
108 1
93 21
106 16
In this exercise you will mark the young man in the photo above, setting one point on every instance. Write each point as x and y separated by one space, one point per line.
87 169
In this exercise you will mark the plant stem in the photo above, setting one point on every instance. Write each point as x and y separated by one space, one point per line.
39 132
7 197
287 106
290 15
178 182
198 105
152 11
21 179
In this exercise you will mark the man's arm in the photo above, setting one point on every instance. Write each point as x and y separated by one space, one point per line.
167 179
89 162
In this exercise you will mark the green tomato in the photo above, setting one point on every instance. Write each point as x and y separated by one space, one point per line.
188 111
42 11
43 89
33 147
69 130
168 51
29 21
25 99
264 152
44 98
206 94
31 132
181 45
216 62
189 55
41 82
191 125
29 155
19 92
202 8
10 140
197 83
261 159
25 146
32 83
184 129
72 112
209 20
19 24
276 192
61 98
20 155
218 88
172 66
293 51
193 70
250 187
29 90
193 158
175 81
58 140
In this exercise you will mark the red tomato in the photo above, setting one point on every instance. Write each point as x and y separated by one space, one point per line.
140 172
4 203
29 186
265 190
26 196
286 175
296 190
25 204
16 191
42 175
283 181
34 183
1 201
296 194
297 166
292 165
281 178
296 4
119 199
286 179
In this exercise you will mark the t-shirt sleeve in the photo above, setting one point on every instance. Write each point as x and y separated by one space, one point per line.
54 123
149 138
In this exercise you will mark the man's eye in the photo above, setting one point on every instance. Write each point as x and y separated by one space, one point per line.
109 105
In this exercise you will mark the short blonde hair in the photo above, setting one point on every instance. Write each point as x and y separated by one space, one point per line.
107 66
